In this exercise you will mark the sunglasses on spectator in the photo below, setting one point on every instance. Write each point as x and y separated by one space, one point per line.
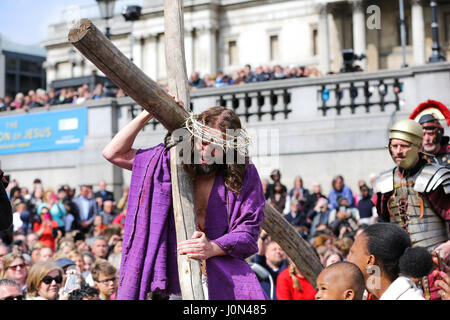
22 265
107 280
49 280
19 297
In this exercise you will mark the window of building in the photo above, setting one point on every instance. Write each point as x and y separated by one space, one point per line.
232 53
447 27
30 66
315 40
274 47
23 72
11 64
11 85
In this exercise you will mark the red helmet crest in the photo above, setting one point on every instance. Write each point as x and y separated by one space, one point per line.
435 108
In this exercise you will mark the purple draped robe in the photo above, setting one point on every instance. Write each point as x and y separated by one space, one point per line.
149 261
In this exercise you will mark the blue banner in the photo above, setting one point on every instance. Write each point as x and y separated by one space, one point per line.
45 131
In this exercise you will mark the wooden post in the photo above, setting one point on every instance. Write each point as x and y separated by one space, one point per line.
297 249
189 270
93 44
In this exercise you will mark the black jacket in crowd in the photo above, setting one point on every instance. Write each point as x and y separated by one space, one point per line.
5 204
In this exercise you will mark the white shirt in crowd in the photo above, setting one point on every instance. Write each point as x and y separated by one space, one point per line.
17 222
402 289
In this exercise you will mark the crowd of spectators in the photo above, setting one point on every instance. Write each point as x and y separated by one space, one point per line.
63 244
341 212
66 232
329 223
247 75
66 244
41 98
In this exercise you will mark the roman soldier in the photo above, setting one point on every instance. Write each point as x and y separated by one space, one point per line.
415 194
435 146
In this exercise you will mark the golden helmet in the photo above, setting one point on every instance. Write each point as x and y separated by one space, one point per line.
407 130
410 131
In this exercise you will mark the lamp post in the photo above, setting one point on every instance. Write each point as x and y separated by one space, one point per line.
402 32
436 55
131 13
106 8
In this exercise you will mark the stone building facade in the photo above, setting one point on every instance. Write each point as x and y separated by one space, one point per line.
227 34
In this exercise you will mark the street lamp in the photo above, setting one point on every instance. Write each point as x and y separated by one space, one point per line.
402 32
131 13
436 55
106 8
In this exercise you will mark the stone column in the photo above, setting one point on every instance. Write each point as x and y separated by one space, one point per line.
137 51
324 36
161 73
78 66
418 32
149 56
359 30
207 50
188 50
50 70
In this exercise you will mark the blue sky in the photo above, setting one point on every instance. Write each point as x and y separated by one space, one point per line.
26 21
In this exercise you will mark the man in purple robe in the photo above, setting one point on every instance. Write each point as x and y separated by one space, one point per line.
229 203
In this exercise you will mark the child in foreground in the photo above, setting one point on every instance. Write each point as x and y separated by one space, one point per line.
340 281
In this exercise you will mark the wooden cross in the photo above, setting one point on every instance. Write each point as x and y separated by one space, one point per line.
94 45
189 271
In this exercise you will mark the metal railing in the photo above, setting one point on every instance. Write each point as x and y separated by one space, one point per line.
246 105
258 103
355 94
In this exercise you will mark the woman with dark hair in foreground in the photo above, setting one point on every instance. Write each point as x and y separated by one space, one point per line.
389 264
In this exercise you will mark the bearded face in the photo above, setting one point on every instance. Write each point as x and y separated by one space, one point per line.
208 156
430 142
205 169
216 141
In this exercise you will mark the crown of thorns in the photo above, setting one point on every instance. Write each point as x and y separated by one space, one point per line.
238 141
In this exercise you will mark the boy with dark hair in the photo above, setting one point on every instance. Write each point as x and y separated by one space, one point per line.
84 293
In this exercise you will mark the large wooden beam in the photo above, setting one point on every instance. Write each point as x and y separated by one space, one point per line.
102 53
297 249
189 270
98 49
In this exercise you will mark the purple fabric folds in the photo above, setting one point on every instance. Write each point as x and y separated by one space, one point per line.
149 261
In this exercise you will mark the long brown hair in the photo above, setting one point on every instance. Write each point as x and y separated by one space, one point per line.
223 119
